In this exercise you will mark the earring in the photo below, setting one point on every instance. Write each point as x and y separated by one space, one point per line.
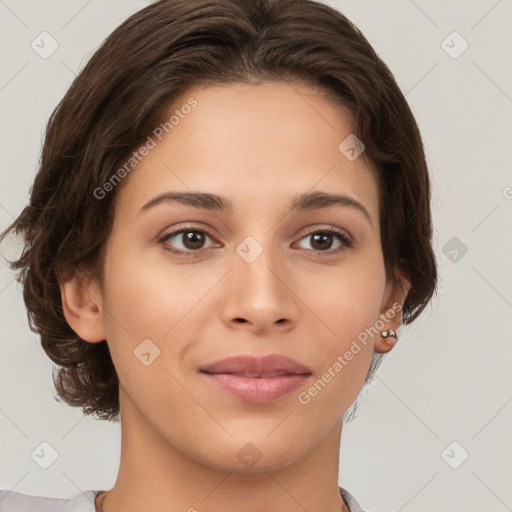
389 334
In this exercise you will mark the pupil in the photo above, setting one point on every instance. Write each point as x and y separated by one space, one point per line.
193 239
322 238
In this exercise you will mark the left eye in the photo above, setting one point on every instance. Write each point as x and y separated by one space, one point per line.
322 240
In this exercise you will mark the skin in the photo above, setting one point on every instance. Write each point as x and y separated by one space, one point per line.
258 146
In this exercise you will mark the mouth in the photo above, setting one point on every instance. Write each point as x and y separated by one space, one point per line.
256 375
270 365
257 379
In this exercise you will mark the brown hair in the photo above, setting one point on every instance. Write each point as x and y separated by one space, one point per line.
124 92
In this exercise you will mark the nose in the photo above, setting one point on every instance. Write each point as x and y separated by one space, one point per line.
259 295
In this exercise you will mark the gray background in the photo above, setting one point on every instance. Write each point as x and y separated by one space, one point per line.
448 380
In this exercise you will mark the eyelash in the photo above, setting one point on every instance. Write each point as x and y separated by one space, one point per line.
347 242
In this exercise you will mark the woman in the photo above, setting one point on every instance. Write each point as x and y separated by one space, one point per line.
230 222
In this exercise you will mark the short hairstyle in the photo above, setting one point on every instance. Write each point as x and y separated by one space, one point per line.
126 90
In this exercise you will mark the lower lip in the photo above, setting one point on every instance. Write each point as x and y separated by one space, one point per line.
258 390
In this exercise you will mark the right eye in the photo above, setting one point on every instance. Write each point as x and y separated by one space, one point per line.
191 239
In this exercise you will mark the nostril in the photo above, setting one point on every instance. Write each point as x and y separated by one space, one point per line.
240 320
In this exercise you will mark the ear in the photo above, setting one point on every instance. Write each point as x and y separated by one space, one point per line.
391 312
82 305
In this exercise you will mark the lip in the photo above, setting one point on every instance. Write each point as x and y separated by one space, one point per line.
257 379
269 363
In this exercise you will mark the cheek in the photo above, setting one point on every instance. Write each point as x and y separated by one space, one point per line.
347 305
152 299
136 291
343 341
347 301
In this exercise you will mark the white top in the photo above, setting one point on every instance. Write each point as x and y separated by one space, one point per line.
11 501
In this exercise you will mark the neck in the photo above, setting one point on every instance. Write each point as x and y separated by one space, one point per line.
154 475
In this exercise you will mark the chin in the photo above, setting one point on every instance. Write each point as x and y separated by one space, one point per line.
246 457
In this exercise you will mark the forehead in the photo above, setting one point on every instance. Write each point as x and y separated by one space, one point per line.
254 144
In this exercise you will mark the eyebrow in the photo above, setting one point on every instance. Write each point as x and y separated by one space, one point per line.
212 202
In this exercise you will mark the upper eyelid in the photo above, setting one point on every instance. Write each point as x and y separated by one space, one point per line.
310 229
327 227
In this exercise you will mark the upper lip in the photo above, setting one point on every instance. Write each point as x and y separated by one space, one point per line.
270 363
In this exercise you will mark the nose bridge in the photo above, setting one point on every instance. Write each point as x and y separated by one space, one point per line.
256 266
259 294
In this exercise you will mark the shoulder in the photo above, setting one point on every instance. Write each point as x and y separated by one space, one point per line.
351 502
11 501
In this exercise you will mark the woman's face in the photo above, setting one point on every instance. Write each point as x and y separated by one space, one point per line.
252 278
